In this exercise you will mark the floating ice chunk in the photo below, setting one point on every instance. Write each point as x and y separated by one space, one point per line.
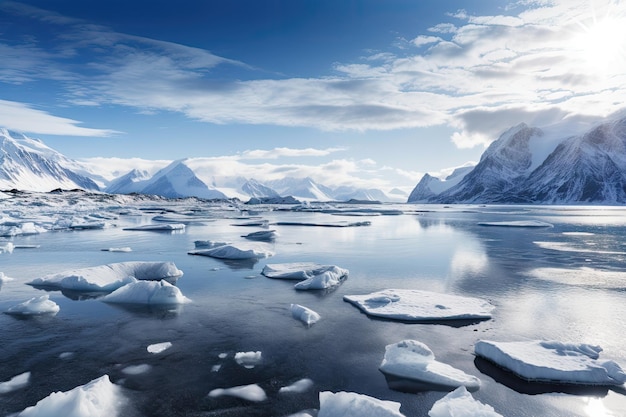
159 347
147 292
554 362
326 224
299 386
36 306
332 277
136 369
518 223
248 359
411 361
253 223
350 404
109 277
123 249
87 225
298 270
263 235
460 403
251 392
7 248
416 305
15 383
4 278
66 355
304 314
98 398
244 251
208 244
165 227
20 229
566 247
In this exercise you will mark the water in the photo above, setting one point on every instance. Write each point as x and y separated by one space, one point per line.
526 272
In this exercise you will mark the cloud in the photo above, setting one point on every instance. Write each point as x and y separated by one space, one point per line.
287 152
21 117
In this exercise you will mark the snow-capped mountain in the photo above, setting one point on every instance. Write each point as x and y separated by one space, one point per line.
302 189
28 164
176 180
430 186
532 165
254 188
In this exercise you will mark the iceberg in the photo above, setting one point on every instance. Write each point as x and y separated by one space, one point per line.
460 403
98 398
165 227
248 359
107 278
299 386
351 404
251 392
249 251
147 292
304 314
263 235
298 270
327 279
36 306
15 383
517 223
159 347
7 248
553 362
410 365
420 306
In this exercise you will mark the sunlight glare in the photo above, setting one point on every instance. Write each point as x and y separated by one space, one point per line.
595 408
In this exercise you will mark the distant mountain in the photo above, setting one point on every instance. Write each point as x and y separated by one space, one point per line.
176 180
302 189
28 164
527 165
253 188
430 186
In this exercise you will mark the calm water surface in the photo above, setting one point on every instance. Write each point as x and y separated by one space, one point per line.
558 283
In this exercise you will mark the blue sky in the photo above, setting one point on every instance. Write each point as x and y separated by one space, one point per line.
375 91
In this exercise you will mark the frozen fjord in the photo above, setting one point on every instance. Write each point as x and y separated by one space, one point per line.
430 248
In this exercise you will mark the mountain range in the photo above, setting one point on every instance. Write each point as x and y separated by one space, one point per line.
533 165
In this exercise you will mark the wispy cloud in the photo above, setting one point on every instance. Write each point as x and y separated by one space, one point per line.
287 152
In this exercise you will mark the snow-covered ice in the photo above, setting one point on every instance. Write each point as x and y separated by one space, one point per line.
147 292
248 359
4 278
11 229
298 270
208 244
460 403
583 276
412 361
352 404
109 277
416 305
332 277
325 224
98 398
122 249
7 247
165 227
263 235
518 223
301 385
136 369
36 306
304 314
232 251
159 347
82 225
15 383
251 392
553 361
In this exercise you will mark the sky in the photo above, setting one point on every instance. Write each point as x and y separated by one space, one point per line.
369 92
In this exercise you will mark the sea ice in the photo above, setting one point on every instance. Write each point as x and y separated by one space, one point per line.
263 235
413 361
298 270
416 305
351 404
109 277
251 392
304 314
244 251
147 292
7 248
123 249
87 225
159 347
136 369
518 223
15 383
327 279
165 227
98 398
248 359
325 224
36 306
553 362
208 244
4 278
584 276
299 386
460 403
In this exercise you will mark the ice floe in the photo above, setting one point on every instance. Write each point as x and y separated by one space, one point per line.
248 359
263 235
566 247
98 398
553 362
583 276
298 270
87 225
410 365
165 227
122 249
136 369
15 383
351 404
208 244
517 223
7 247
231 251
302 385
251 392
4 278
36 306
304 314
159 347
332 277
148 293
460 403
325 224
109 277
416 305
12 229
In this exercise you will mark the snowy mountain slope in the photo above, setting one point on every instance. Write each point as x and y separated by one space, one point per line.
131 182
254 188
526 165
28 164
430 186
302 189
